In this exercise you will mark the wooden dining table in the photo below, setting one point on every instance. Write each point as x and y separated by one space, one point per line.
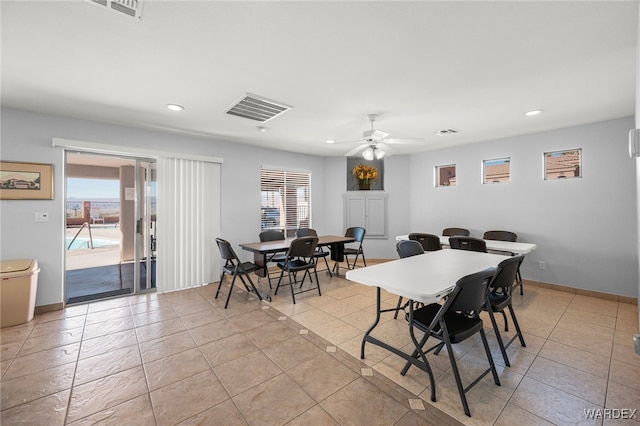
261 250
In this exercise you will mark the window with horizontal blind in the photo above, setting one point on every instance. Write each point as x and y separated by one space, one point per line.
285 200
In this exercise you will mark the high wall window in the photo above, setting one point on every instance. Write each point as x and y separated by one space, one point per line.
285 200
446 175
563 164
496 171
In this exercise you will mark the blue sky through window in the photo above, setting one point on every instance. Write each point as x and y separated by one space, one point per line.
89 189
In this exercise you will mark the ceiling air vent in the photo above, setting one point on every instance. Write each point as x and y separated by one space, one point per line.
445 132
132 8
257 108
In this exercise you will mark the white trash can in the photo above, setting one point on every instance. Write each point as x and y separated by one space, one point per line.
18 286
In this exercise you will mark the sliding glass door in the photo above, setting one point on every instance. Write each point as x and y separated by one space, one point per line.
110 226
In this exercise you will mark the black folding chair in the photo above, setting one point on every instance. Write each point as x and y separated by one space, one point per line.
406 249
299 258
235 268
467 243
448 232
506 236
272 235
429 242
358 233
499 299
320 253
454 322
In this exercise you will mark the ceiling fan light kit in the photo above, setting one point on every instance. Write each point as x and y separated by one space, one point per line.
373 141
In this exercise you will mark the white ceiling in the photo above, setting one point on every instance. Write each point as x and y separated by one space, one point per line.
423 66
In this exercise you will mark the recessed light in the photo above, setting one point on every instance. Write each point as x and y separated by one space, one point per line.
445 132
331 141
175 107
533 112
261 129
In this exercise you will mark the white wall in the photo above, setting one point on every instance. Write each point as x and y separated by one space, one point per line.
27 137
396 184
585 228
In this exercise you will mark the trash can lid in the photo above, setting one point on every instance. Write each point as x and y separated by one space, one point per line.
17 265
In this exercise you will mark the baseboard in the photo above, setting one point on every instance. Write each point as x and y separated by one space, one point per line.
583 292
49 308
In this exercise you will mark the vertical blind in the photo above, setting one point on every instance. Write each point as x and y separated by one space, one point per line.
285 200
188 222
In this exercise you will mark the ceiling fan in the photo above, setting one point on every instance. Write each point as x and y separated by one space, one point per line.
375 143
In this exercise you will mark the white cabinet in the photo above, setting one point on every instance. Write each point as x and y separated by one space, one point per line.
367 209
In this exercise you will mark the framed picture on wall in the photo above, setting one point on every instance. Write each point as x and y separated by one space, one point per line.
26 181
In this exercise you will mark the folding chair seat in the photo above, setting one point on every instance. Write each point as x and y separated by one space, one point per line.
406 249
499 299
320 252
299 258
358 233
235 268
506 236
453 322
272 235
467 243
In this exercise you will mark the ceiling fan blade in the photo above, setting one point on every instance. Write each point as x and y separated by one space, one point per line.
405 141
355 150
374 135
343 142
386 148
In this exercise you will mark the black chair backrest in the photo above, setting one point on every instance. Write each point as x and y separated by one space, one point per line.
505 276
306 232
356 232
455 231
302 247
501 236
271 235
429 242
470 292
226 251
468 243
408 248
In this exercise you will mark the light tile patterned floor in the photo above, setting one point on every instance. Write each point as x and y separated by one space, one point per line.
180 358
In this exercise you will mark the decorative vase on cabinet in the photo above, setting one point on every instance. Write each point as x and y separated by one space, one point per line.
365 186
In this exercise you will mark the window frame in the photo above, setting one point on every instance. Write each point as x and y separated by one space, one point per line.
561 174
506 160
287 184
436 175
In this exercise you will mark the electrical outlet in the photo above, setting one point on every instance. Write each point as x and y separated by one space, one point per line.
42 217
542 265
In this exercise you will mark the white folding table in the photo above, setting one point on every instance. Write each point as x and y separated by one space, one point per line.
495 245
424 278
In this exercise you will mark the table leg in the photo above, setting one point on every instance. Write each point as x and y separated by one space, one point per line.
419 352
337 255
260 259
417 358
375 323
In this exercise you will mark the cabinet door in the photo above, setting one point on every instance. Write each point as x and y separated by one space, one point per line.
356 211
376 216
369 210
